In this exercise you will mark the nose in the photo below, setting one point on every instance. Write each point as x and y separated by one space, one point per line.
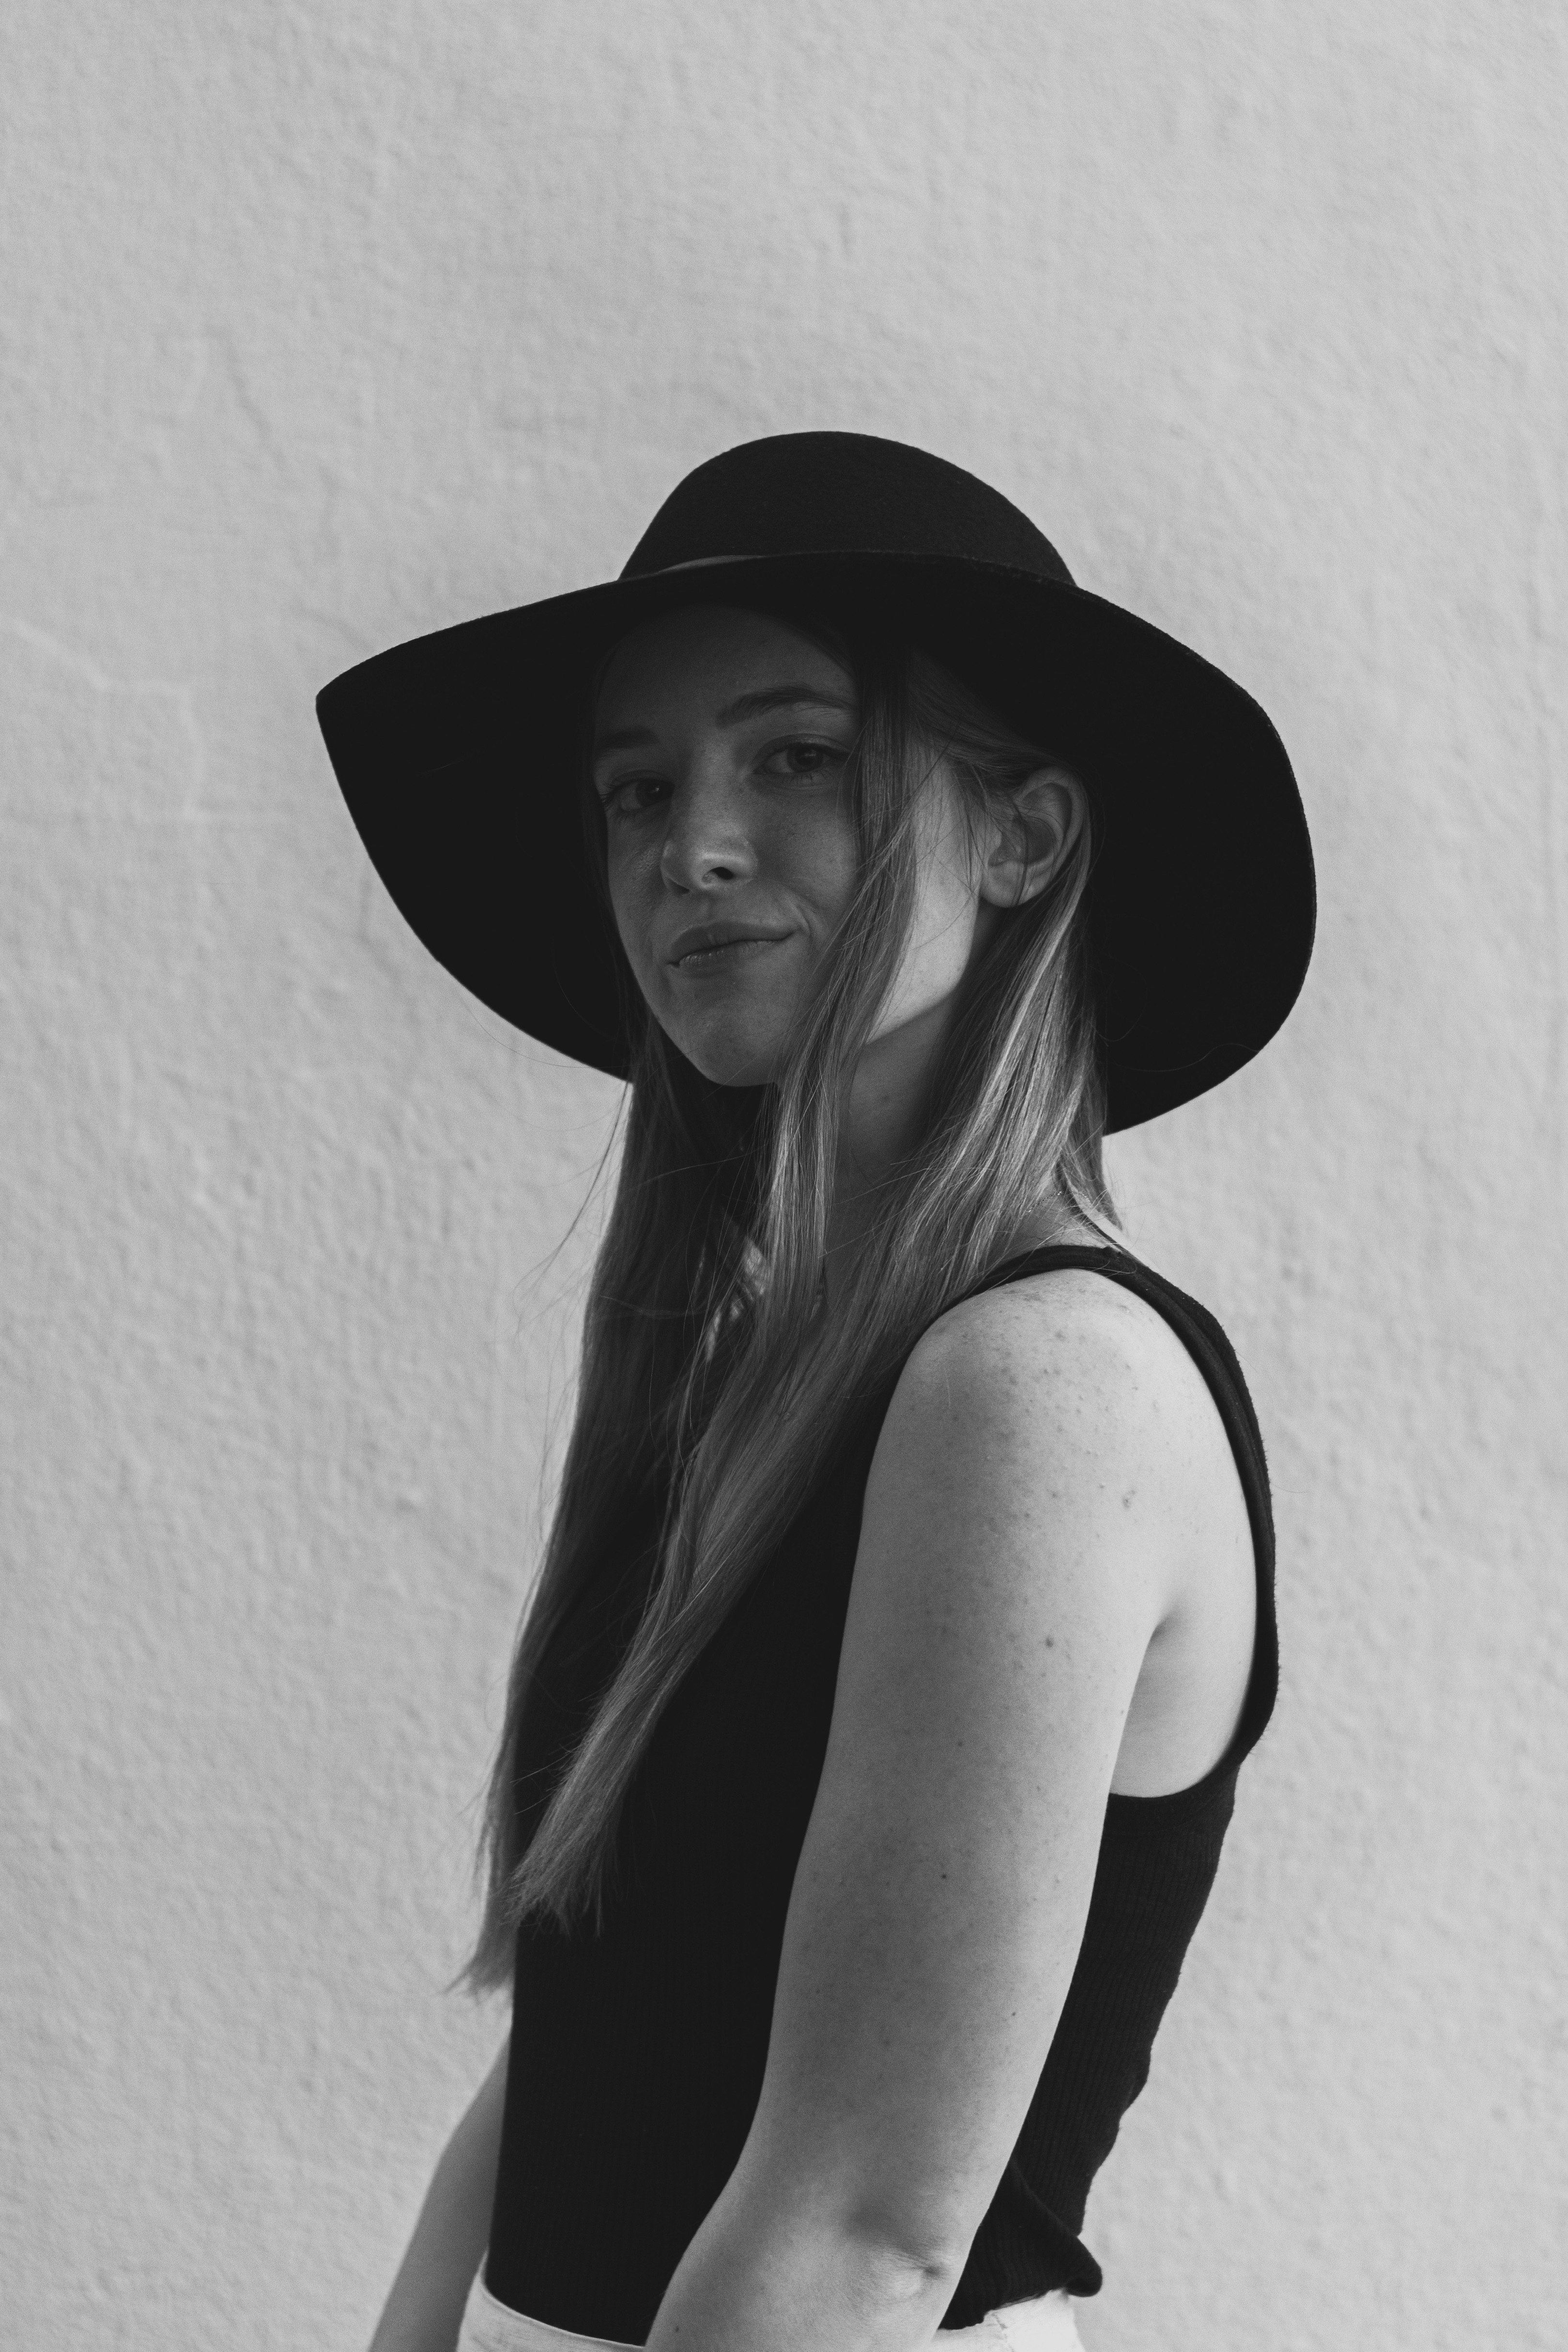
705 840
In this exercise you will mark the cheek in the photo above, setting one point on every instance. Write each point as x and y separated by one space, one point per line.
628 881
949 886
810 850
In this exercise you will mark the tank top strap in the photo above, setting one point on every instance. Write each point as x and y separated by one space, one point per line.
1210 1349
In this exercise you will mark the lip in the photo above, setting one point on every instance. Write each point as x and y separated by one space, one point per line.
704 940
699 962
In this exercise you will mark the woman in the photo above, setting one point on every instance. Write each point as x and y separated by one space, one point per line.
908 1610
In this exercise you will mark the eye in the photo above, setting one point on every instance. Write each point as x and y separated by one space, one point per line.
804 756
610 800
801 756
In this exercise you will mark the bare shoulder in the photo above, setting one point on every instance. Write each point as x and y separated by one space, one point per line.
1065 1395
1068 1343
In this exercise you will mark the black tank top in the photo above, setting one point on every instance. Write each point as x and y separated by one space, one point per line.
637 2056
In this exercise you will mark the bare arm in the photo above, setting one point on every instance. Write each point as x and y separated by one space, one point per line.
424 2309
1031 1482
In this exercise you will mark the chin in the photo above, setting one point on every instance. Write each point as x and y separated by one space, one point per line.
737 1059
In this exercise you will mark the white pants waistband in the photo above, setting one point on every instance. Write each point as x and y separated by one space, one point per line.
1046 2324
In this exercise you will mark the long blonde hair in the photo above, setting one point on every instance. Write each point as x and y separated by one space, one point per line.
711 1374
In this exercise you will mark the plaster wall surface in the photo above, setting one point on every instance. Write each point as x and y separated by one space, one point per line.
327 325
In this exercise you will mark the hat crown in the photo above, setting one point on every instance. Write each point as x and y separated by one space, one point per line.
839 494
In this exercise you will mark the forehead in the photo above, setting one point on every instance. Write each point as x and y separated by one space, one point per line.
690 663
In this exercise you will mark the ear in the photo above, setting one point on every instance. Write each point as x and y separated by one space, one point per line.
1050 809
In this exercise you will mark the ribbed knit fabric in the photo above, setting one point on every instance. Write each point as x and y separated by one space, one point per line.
637 2056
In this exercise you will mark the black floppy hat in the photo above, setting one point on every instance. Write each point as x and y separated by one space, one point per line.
459 754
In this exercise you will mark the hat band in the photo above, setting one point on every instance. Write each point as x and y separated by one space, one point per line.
692 563
697 563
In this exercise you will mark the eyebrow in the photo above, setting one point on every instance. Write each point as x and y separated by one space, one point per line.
735 714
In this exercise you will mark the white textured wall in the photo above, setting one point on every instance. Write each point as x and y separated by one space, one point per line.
329 323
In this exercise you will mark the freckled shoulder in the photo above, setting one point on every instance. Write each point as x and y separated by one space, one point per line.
1065 1368
1069 1326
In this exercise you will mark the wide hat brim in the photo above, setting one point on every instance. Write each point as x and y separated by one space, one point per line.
459 756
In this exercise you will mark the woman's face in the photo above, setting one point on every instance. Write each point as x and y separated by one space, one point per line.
720 743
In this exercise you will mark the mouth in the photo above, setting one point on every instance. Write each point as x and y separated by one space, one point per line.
723 957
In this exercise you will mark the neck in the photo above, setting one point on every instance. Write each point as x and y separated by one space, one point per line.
1058 1225
882 1120
869 1152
